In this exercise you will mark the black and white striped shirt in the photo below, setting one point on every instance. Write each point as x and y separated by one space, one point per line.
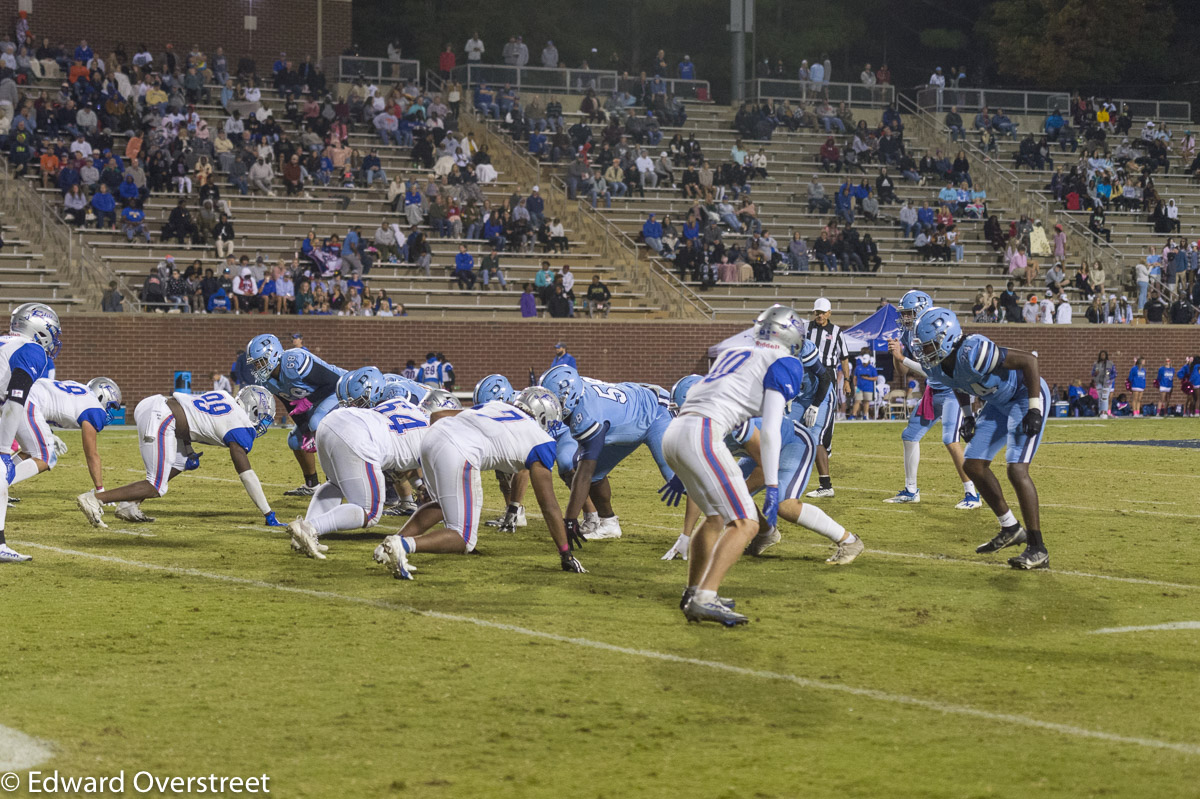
830 343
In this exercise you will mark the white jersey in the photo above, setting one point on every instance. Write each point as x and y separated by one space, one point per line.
67 404
23 353
496 436
733 389
388 435
215 418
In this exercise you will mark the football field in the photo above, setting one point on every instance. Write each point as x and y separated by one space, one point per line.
201 644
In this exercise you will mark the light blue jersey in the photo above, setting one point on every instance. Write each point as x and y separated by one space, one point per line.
303 375
935 385
625 416
797 450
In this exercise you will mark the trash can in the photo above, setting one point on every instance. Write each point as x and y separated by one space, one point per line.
183 382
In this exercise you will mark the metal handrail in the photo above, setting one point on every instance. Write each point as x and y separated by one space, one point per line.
570 81
805 90
352 66
658 269
1025 102
56 228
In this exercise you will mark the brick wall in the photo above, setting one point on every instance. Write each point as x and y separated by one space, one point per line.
142 352
282 26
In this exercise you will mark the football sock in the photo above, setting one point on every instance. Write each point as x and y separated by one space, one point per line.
969 487
310 480
1007 520
705 596
912 459
817 520
25 469
1034 539
343 517
407 498
825 481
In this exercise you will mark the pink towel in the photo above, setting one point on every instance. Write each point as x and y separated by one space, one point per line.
925 406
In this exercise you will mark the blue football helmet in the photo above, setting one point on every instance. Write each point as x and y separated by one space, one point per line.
936 332
259 405
39 322
680 390
439 399
107 394
263 354
565 384
780 325
913 304
492 387
361 388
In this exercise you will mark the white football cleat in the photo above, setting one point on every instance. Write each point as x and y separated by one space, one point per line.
904 496
607 528
590 523
391 554
847 552
92 509
679 549
9 555
969 502
132 512
820 493
304 539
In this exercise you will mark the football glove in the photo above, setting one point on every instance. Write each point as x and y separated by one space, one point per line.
1031 425
810 416
60 446
771 505
308 442
272 521
672 491
509 523
570 564
574 534
192 462
967 431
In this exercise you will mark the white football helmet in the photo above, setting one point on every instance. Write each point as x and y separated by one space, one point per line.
107 394
541 404
259 405
39 322
439 399
780 325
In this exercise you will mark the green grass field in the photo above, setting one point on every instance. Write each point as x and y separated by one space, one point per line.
921 670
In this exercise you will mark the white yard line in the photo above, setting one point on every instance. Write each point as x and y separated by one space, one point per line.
945 708
19 751
132 532
1174 625
1040 465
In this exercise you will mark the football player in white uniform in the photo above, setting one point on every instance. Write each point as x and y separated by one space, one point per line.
66 405
26 355
743 383
361 445
457 447
168 425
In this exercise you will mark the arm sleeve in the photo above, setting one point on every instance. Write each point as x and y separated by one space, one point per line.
254 489
914 367
772 417
594 442
824 381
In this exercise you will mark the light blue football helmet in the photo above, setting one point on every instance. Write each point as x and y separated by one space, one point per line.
259 405
361 388
108 394
936 332
680 390
912 305
779 324
39 322
492 387
565 384
263 355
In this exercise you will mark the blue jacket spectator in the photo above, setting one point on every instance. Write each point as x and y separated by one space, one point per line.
652 233
687 69
105 206
218 302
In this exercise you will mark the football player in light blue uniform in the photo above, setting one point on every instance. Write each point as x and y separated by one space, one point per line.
26 355
945 407
609 421
307 385
1014 401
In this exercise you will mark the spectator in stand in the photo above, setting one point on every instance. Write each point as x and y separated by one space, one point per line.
474 49
447 61
464 268
1154 309
104 205
113 300
245 293
1136 383
954 122
652 232
598 297
550 56
1032 310
1166 386
133 222
528 302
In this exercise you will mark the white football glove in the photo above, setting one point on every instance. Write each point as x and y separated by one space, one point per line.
810 416
60 446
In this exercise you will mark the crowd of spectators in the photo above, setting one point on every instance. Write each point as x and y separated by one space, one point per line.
1098 394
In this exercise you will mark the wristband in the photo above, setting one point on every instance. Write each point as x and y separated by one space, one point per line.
1035 404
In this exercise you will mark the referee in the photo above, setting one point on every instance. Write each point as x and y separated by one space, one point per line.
831 349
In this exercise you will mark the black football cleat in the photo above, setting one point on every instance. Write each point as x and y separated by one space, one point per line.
1004 538
1032 558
